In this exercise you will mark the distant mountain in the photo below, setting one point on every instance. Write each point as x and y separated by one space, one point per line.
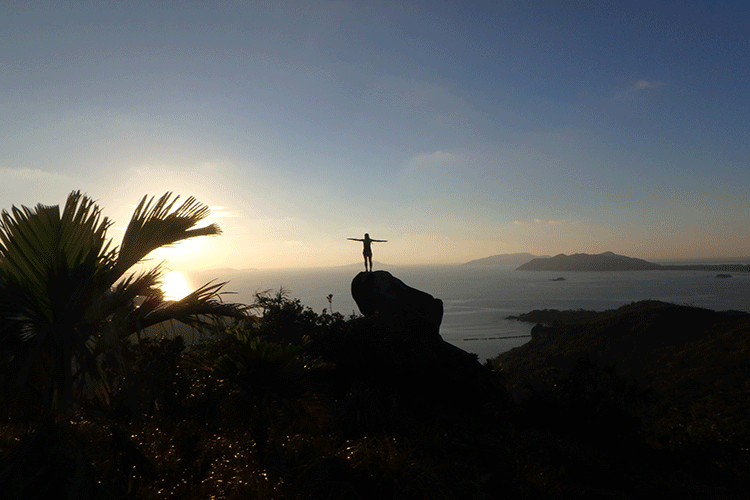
505 259
607 261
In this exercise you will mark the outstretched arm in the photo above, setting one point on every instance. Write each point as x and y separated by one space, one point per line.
356 239
380 241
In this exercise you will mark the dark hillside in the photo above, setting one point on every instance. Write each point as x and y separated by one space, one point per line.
651 397
695 361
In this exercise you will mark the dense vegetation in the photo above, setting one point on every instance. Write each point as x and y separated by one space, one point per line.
277 401
265 408
289 403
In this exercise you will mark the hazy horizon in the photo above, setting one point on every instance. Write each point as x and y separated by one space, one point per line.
455 131
385 265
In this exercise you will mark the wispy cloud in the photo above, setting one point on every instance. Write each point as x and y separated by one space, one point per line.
31 175
430 160
276 220
537 221
643 84
223 213
638 87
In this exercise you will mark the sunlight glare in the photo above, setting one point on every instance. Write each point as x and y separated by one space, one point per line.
175 286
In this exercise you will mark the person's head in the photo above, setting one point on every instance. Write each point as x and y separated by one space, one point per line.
367 236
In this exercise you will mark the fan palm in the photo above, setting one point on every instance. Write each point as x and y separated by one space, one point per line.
67 297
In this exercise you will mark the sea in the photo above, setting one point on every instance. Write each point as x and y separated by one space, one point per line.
477 300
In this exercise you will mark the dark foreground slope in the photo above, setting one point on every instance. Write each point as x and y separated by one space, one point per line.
291 404
684 354
288 404
672 381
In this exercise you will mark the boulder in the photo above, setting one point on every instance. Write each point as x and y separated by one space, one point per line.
398 348
380 294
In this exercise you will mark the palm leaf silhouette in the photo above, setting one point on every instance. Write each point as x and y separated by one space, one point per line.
65 297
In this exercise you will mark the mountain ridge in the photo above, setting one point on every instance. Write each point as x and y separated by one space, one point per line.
606 261
504 259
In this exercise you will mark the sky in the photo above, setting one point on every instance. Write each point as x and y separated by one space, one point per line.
454 130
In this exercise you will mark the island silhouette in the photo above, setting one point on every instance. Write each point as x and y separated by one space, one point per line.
607 261
610 261
506 259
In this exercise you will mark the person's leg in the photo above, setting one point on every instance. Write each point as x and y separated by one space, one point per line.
369 257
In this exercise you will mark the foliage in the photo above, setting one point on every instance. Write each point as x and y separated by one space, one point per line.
66 297
274 380
282 319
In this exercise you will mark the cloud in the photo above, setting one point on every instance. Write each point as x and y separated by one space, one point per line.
639 87
643 84
428 161
31 175
276 220
222 213
542 222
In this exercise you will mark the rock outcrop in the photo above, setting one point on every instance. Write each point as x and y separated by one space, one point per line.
397 346
406 308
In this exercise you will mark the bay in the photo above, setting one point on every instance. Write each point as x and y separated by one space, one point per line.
477 300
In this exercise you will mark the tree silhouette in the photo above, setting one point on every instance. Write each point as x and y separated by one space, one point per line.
65 298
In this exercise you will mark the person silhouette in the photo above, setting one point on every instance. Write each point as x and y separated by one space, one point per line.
367 252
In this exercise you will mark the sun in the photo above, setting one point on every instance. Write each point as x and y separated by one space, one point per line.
174 285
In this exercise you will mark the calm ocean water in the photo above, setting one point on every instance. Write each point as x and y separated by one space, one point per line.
478 299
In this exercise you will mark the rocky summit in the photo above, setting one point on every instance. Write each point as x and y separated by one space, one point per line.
403 335
380 293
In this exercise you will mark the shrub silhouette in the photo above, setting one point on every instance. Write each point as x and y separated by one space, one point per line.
273 380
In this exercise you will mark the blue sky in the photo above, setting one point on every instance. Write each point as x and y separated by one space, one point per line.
455 130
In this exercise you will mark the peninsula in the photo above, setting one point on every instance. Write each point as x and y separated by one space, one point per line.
609 261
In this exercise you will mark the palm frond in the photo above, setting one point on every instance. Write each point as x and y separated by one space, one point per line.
156 224
48 254
142 284
198 309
